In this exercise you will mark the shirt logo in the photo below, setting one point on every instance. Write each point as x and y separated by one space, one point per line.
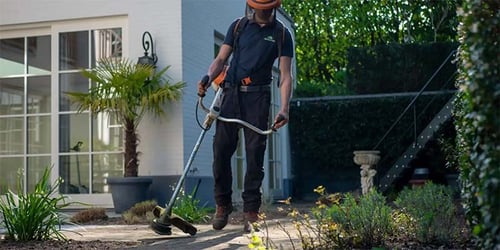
269 39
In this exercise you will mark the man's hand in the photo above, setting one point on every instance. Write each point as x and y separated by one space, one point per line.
280 120
202 86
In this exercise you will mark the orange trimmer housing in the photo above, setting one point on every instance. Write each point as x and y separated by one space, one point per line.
220 78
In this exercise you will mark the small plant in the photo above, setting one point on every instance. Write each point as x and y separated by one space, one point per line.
367 222
187 207
403 225
34 216
263 241
340 221
432 213
316 229
128 91
256 242
140 213
89 215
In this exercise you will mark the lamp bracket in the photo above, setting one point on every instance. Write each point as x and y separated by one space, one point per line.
148 44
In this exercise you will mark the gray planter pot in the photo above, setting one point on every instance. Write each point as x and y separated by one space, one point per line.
127 191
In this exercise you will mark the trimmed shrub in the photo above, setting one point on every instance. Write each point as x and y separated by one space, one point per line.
368 221
430 207
89 215
141 212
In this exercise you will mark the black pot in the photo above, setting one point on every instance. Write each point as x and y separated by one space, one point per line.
128 191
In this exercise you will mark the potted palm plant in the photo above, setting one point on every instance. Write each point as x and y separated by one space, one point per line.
127 91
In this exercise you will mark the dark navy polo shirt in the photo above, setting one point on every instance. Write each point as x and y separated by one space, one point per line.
256 51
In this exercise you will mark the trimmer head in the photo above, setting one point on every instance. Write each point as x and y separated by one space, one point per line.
163 222
161 228
183 225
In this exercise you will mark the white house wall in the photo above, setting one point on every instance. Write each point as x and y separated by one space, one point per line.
162 19
183 33
200 20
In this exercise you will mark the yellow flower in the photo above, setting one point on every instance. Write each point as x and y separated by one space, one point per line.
262 216
256 240
294 213
320 190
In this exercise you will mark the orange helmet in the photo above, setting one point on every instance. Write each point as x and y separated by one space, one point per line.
264 4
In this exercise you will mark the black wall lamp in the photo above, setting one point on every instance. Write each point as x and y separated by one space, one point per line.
147 44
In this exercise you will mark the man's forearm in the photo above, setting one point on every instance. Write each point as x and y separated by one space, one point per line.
215 69
286 92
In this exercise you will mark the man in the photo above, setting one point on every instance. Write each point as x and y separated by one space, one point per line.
246 96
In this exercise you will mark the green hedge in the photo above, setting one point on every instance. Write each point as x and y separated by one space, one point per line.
325 133
399 68
478 113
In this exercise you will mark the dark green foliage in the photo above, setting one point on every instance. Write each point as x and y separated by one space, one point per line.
34 216
400 68
312 89
446 137
478 117
324 135
324 30
432 213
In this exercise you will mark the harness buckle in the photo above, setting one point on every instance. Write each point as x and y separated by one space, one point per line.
246 81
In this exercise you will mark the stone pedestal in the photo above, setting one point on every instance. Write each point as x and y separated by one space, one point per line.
366 159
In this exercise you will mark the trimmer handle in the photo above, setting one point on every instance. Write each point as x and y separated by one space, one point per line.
204 84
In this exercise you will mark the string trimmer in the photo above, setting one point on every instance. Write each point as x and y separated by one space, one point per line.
164 216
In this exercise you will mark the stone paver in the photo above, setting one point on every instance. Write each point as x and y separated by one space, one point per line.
231 237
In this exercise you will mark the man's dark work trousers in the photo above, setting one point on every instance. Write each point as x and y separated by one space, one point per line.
252 107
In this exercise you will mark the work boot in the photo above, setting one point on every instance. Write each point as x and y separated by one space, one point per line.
249 219
221 216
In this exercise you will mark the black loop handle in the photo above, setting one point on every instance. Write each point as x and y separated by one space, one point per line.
204 83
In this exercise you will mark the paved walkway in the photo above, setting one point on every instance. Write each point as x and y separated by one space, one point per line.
231 237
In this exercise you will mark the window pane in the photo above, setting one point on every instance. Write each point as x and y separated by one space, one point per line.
74 128
39 55
39 94
11 136
11 56
105 166
11 96
38 134
10 168
105 135
73 50
36 167
74 170
106 43
72 82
